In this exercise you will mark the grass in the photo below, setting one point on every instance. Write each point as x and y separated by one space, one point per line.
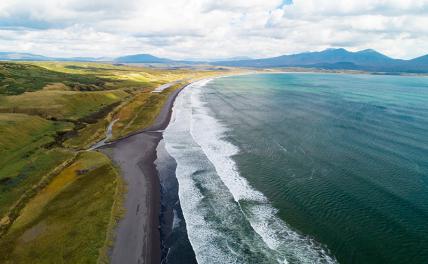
17 78
69 220
131 74
30 173
60 104
87 135
21 139
140 112
25 158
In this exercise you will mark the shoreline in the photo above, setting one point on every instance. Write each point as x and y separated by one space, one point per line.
138 233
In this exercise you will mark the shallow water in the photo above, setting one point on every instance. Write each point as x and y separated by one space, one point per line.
304 168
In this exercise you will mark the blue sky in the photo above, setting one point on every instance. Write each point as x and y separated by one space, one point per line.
212 28
287 2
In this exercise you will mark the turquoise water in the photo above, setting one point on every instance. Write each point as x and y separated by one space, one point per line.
304 168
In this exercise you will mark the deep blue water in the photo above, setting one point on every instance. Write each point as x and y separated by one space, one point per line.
335 168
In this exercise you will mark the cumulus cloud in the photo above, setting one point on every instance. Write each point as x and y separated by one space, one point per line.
212 28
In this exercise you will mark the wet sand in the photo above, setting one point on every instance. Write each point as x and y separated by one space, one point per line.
138 238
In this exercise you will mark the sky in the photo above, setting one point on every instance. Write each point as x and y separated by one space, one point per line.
205 29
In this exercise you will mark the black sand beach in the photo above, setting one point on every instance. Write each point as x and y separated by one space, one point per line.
138 235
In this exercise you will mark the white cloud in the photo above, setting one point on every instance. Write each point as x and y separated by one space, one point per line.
212 28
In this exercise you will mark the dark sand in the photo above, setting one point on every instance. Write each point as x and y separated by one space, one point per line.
138 238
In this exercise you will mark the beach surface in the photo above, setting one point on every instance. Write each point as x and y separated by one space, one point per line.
138 237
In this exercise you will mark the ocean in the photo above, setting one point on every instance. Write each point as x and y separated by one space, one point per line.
303 168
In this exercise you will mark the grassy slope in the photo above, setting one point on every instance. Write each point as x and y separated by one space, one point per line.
17 78
27 131
30 172
67 222
72 211
88 135
25 160
140 112
60 104
20 137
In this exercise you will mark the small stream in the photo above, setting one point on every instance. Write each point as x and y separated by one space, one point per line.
109 135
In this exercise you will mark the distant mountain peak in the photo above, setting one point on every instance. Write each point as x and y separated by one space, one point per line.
335 50
140 55
141 58
423 60
368 51
17 56
373 53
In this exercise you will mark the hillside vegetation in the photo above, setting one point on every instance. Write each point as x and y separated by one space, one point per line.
60 104
59 202
19 78
66 222
25 156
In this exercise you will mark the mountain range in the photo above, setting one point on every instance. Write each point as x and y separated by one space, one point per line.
332 59
141 58
18 56
337 59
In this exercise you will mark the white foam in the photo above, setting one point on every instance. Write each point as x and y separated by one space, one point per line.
208 133
176 220
178 144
